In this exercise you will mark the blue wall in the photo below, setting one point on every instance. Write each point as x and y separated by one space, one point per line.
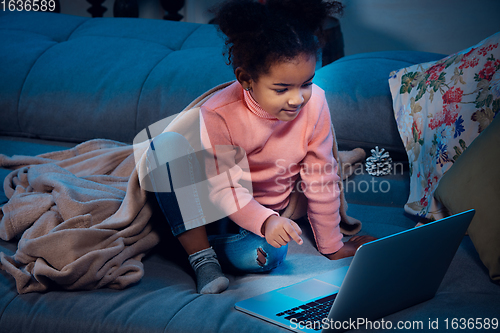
441 26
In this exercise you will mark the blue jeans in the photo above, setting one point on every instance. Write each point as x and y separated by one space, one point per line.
174 166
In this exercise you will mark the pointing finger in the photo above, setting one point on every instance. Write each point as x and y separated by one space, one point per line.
292 231
296 227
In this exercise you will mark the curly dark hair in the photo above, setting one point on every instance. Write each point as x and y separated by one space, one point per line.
259 35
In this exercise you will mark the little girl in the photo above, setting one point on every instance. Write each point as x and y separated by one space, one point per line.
278 120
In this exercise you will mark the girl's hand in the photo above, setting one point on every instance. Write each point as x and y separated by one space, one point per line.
350 247
279 231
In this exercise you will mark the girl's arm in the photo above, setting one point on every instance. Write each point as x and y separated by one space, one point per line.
320 184
229 176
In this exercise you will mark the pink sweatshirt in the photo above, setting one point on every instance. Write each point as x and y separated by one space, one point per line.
278 153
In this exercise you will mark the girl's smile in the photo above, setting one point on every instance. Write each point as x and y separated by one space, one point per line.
286 88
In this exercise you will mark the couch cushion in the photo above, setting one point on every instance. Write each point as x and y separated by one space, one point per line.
360 100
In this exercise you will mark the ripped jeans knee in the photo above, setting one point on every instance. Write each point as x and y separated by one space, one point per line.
270 258
261 257
247 253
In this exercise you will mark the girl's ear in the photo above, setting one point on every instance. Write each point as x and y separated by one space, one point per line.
243 78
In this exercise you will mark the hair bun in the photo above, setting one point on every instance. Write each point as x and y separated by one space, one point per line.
241 17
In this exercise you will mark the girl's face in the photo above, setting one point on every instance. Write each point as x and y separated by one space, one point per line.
286 88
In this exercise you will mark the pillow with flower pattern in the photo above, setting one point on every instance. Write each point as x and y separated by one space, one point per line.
440 108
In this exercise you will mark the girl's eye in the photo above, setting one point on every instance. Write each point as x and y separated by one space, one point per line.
305 85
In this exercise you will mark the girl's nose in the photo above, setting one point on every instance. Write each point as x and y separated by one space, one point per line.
296 100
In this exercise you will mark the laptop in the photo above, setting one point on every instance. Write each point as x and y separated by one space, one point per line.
385 276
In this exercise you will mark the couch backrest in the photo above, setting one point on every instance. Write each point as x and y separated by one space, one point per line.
72 78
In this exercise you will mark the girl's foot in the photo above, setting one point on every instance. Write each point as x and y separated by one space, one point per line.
209 276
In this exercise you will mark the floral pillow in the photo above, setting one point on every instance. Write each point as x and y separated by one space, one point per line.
440 108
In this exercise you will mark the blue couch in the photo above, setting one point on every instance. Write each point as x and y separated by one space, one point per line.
66 79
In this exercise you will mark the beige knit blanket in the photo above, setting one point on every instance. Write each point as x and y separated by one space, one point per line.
83 218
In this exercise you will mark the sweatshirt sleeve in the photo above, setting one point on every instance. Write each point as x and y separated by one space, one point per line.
320 185
228 173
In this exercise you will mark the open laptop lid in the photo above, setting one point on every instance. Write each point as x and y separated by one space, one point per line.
398 271
385 276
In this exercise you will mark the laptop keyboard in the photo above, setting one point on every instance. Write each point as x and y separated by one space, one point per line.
310 312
